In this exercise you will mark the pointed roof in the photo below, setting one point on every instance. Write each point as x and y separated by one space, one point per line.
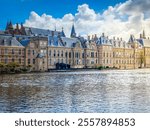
10 26
131 39
73 33
62 32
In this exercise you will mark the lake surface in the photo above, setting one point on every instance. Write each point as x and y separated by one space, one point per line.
111 91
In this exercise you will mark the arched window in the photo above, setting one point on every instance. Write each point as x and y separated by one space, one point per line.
54 53
58 53
62 53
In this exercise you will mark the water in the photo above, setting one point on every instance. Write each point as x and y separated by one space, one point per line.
121 91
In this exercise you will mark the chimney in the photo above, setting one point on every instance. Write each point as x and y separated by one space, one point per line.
141 36
95 35
103 34
52 33
92 37
89 38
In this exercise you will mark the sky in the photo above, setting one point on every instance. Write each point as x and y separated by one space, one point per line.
118 18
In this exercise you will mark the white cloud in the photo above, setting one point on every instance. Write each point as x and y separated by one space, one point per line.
121 20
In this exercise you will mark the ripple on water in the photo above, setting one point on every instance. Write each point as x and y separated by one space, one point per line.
82 91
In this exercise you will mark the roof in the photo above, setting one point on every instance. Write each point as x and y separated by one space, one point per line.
103 41
9 41
144 42
42 32
71 42
55 41
25 42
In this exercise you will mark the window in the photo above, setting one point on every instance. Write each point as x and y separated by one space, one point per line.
96 54
92 54
69 54
92 62
50 53
54 53
83 55
28 61
19 51
19 61
66 54
13 60
33 52
104 54
28 52
77 62
50 61
6 51
62 54
77 55
58 54
13 52
6 61
33 61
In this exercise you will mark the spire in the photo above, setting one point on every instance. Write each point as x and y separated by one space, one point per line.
73 33
62 32
10 26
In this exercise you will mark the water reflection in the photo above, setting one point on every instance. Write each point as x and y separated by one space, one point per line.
90 91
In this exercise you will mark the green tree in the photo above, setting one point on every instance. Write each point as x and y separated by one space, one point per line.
2 67
12 66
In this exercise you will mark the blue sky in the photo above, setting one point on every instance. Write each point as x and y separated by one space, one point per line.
19 10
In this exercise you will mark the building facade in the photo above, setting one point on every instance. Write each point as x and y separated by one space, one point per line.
42 50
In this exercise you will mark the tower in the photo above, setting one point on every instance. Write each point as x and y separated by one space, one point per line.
9 28
73 33
17 31
22 30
